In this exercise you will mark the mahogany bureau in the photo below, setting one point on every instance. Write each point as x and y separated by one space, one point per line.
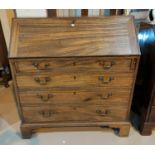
74 72
143 106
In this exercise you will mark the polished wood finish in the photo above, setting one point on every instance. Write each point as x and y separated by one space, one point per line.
73 80
74 72
73 113
100 96
70 37
28 128
144 93
98 64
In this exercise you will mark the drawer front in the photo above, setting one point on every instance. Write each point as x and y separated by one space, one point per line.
111 97
73 113
74 80
152 114
105 64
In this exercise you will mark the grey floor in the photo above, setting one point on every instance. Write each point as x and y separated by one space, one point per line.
10 134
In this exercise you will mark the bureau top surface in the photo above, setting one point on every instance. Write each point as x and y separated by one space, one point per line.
67 37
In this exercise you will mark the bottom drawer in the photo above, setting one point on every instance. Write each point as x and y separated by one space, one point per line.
152 114
72 113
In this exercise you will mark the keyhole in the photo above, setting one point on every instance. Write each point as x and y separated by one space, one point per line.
74 93
74 63
74 77
74 108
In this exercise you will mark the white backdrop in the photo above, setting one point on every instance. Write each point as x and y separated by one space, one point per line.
31 13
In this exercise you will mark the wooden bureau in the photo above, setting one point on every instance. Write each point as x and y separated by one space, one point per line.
143 106
74 72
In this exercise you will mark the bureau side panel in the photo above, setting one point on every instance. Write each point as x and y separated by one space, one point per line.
134 80
15 91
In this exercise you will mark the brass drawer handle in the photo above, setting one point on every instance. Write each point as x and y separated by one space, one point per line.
44 98
47 113
42 80
103 113
105 80
41 66
107 65
105 96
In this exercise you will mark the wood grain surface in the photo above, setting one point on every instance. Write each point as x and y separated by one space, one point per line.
73 113
64 37
102 96
71 80
75 64
74 71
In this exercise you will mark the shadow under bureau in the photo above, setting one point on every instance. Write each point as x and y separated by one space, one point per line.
74 72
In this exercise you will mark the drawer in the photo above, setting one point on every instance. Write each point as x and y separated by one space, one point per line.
152 114
106 64
73 113
111 97
74 80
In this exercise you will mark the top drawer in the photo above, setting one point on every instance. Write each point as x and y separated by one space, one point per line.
106 64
